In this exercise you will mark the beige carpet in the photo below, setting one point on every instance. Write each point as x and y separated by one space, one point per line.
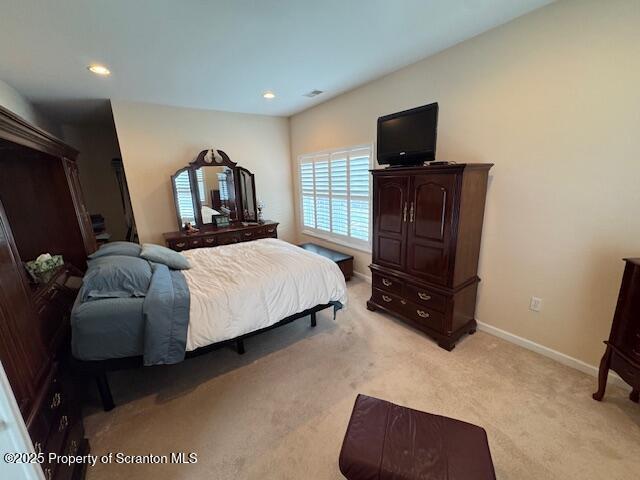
280 411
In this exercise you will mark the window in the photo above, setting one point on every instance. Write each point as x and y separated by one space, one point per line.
334 195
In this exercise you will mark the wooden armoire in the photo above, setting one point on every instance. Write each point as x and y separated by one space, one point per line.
622 354
41 211
427 225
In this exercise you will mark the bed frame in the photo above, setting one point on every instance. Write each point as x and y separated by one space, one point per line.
99 368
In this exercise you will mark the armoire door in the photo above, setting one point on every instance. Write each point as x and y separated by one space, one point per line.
429 227
390 220
21 349
84 219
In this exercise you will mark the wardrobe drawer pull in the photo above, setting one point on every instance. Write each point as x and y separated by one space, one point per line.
73 448
64 423
181 244
386 298
209 240
248 234
387 283
403 301
48 474
422 313
424 296
56 400
37 447
271 230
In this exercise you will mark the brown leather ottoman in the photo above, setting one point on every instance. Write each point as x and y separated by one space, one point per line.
385 441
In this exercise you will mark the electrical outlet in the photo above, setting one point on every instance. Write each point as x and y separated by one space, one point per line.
535 304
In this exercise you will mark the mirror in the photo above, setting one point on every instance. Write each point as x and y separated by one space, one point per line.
216 193
184 197
212 186
247 195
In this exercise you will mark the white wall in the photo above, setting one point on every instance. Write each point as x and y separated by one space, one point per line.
552 99
12 100
157 140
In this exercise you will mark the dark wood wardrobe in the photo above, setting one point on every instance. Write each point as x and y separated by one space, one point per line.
622 354
41 210
427 225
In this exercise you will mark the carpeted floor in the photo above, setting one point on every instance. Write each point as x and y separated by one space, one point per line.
280 411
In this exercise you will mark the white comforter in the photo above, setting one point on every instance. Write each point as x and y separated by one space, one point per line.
237 289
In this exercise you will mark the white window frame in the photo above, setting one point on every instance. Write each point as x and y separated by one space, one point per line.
332 237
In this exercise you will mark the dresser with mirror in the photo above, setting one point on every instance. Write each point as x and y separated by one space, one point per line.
217 198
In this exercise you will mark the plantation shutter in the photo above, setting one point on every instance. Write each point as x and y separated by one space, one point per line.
334 195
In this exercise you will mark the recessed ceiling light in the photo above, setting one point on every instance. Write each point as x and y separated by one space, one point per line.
99 69
269 95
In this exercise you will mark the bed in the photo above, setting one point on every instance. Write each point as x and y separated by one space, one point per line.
230 292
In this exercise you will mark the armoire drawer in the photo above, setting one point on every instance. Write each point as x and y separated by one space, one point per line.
424 316
387 283
426 297
628 372
388 300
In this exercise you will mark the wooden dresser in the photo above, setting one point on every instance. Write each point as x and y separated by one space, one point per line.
623 347
427 225
41 210
213 236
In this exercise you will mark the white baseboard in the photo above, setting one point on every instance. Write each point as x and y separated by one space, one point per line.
550 353
562 358
366 278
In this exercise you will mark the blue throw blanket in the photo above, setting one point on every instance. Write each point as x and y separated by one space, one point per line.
166 317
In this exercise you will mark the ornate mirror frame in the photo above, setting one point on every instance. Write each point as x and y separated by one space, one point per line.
216 158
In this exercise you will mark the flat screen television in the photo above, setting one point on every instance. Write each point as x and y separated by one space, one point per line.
408 137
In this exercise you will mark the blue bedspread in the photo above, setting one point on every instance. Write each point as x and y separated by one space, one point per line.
154 326
166 317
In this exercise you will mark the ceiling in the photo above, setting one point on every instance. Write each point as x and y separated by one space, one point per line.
223 55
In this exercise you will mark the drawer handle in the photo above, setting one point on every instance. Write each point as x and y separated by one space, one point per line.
48 474
64 423
386 298
56 400
248 234
403 301
210 240
37 447
387 283
424 296
422 313
271 230
73 448
180 244
195 242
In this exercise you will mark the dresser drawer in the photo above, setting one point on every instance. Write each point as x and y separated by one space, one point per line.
271 232
228 238
209 241
628 372
249 235
426 297
179 245
424 316
387 283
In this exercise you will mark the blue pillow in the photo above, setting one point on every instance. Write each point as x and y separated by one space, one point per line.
116 276
117 248
165 256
